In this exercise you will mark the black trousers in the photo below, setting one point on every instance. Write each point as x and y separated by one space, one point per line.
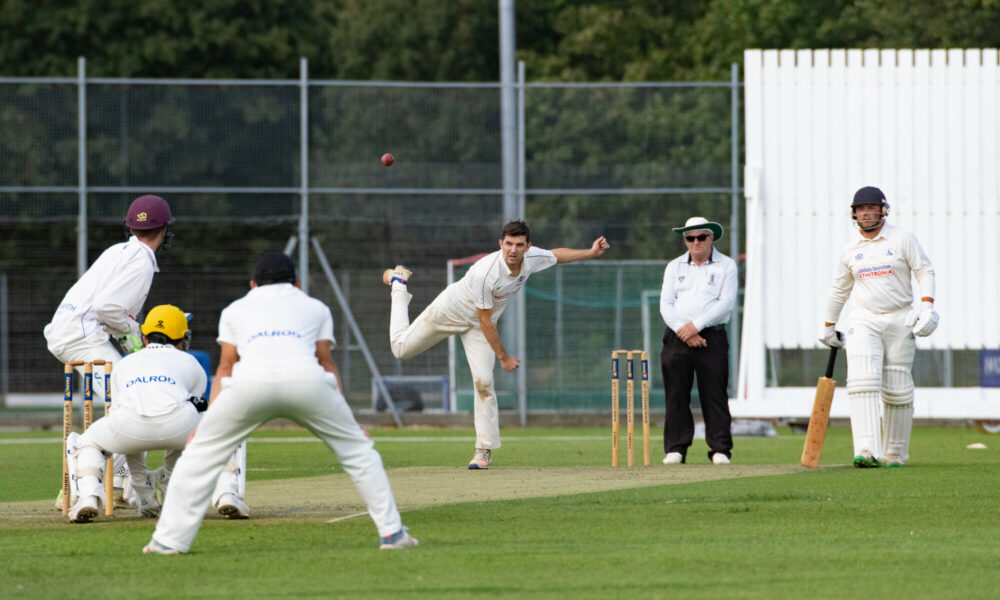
680 363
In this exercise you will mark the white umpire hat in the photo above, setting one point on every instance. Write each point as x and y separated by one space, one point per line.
696 223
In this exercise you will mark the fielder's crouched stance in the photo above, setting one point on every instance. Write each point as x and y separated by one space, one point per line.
874 271
275 363
153 390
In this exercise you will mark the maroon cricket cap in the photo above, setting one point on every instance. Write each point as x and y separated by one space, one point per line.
148 212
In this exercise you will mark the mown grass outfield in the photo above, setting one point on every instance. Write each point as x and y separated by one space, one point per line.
551 520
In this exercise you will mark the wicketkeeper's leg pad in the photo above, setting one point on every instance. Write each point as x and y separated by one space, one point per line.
87 466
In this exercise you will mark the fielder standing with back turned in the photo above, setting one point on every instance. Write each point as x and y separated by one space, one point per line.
874 271
275 363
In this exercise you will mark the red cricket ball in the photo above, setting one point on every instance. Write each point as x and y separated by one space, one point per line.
387 159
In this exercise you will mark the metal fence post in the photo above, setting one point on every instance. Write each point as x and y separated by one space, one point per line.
4 343
304 184
81 137
734 223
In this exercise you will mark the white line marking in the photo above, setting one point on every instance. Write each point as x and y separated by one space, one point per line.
360 514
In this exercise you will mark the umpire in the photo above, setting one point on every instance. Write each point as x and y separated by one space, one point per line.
699 292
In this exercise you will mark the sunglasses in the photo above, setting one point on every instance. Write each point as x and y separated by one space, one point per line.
700 238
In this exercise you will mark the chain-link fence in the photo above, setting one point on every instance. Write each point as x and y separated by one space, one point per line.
625 161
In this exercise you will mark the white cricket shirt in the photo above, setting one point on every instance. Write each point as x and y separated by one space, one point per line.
702 295
489 285
156 380
275 323
109 295
875 273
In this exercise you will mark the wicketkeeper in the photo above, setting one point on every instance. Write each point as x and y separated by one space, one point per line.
874 270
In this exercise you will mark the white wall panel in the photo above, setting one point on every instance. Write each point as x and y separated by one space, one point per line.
920 124
989 161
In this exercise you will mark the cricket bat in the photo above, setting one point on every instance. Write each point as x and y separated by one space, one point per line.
820 415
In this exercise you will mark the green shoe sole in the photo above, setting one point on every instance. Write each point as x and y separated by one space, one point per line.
863 462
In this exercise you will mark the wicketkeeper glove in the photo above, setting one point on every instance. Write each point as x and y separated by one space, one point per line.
829 337
924 320
131 343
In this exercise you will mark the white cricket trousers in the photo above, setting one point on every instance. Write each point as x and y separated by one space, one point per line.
307 396
430 328
880 350
125 433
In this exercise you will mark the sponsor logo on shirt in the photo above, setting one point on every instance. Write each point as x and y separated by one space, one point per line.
151 379
858 256
889 252
274 333
875 271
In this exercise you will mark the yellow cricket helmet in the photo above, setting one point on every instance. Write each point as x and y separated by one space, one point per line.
168 320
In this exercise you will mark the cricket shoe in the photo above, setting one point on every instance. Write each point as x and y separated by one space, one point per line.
866 460
893 460
85 510
398 541
155 547
481 459
720 459
149 507
232 507
398 273
673 458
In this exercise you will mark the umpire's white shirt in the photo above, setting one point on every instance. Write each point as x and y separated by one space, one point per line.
294 323
878 271
489 285
108 298
156 380
702 295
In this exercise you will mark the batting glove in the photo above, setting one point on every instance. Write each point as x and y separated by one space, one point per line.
131 343
924 320
829 337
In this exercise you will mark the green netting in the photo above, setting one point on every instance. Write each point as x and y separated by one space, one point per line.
576 314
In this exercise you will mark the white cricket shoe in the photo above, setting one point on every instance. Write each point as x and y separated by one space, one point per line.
481 459
232 507
720 459
398 541
84 510
148 507
155 547
398 273
673 458
893 460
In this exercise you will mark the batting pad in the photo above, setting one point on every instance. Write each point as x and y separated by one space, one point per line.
866 427
897 396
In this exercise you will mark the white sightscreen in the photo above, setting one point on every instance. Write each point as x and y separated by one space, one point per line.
919 124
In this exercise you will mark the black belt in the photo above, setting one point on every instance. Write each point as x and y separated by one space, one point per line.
715 328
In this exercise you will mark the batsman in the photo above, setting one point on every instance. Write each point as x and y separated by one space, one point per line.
874 270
